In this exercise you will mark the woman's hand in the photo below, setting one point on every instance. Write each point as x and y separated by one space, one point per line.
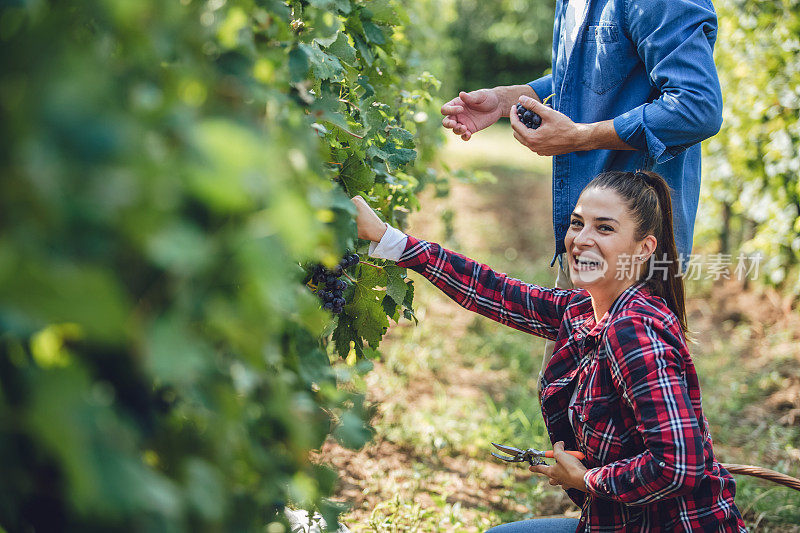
567 472
370 227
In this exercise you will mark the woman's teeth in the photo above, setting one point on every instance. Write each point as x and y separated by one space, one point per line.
586 264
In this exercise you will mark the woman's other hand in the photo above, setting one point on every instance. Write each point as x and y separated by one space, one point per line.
370 227
567 472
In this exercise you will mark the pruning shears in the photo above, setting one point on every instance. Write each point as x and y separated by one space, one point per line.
531 455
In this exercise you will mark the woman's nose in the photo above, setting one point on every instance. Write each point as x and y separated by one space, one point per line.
583 238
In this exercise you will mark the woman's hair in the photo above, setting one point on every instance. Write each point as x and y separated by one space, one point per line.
647 197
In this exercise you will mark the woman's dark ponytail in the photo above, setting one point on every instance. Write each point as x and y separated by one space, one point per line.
648 198
671 288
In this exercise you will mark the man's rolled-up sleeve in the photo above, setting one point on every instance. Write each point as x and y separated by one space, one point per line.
675 39
543 87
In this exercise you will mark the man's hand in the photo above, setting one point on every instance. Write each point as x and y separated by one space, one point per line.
567 472
370 227
557 135
471 112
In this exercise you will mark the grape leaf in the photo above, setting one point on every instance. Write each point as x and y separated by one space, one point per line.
373 33
369 90
345 333
382 12
341 48
374 152
343 6
366 307
325 66
356 175
298 64
400 156
404 137
408 312
376 120
390 307
396 286
364 49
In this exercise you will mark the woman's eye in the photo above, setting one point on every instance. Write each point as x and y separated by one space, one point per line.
606 227
576 223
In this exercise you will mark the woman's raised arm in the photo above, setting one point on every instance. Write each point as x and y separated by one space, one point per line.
472 285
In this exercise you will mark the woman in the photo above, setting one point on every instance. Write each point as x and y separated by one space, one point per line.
621 386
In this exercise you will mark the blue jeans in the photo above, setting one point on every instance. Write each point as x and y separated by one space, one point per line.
538 525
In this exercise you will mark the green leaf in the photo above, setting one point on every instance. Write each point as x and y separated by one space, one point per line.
325 66
344 334
352 432
376 119
374 152
181 248
382 11
369 90
408 312
404 137
341 48
396 286
364 49
409 299
175 355
400 156
366 307
322 4
357 176
343 6
298 63
373 33
63 293
391 308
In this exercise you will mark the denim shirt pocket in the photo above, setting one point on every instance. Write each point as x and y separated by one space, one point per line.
604 66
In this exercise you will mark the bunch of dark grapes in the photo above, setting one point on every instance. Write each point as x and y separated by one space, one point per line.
528 117
330 288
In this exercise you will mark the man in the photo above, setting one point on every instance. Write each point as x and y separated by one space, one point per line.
634 87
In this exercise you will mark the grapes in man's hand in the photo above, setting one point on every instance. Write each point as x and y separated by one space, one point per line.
528 117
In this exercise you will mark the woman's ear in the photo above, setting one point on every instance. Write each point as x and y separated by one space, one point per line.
647 247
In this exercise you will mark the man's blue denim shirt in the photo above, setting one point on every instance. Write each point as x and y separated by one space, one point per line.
649 66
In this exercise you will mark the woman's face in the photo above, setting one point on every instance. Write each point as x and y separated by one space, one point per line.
602 251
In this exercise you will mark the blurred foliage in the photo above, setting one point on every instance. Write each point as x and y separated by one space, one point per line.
167 167
751 189
504 42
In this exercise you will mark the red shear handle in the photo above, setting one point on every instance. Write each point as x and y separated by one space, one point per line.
579 455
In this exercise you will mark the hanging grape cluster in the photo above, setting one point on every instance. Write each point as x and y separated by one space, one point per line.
329 285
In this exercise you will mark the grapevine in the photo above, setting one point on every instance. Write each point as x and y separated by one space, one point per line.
168 168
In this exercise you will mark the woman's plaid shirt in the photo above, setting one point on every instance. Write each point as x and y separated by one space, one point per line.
638 415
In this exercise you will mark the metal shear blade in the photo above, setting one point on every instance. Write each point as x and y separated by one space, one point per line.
515 455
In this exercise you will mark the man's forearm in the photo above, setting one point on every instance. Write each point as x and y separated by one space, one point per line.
600 136
509 95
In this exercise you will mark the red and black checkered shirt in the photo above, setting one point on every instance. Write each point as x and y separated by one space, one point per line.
638 415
